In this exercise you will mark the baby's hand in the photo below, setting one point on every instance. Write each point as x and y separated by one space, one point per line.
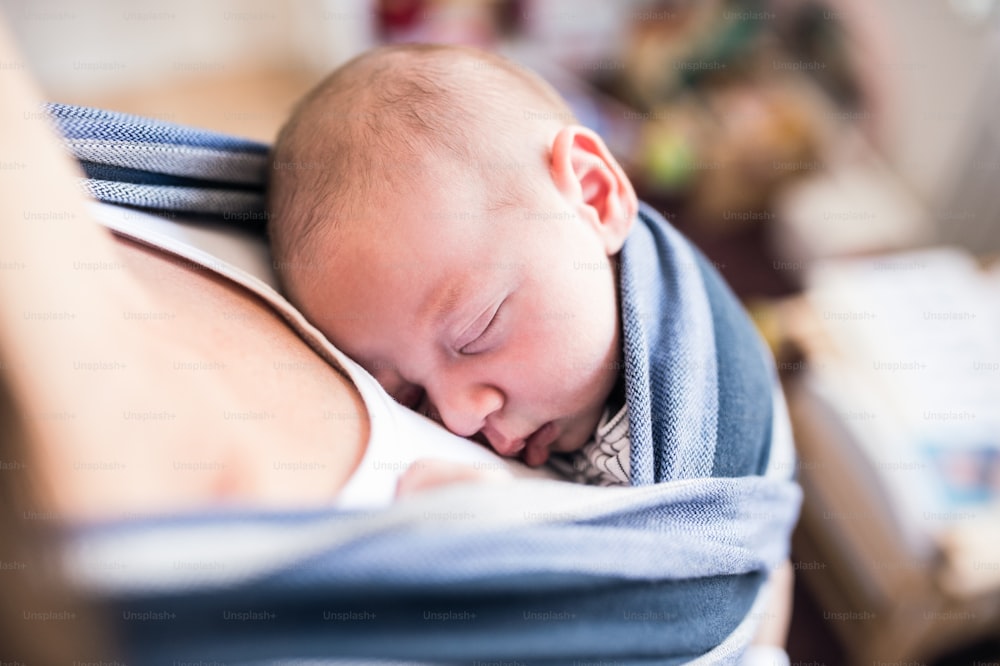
429 473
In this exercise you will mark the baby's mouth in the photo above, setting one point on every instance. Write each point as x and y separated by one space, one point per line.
502 445
534 448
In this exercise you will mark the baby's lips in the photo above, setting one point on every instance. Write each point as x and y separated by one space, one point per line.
511 448
505 447
535 456
537 450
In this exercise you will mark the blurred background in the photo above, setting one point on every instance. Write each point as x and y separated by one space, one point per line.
837 160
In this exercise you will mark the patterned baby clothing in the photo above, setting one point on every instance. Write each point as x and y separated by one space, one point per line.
604 459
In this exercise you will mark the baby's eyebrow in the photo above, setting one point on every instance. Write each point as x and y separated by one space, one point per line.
441 303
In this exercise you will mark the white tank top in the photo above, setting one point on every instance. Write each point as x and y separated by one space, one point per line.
398 436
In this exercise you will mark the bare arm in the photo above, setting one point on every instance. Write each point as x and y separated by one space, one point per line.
55 315
79 366
775 621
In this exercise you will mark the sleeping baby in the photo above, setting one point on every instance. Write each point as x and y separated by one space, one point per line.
440 215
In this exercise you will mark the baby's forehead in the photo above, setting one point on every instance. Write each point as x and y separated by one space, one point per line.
412 242
445 202
437 197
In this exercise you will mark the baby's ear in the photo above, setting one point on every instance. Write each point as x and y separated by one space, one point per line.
585 172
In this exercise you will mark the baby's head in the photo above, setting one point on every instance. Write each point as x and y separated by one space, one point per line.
440 216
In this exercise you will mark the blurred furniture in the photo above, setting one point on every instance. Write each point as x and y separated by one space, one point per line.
248 102
896 409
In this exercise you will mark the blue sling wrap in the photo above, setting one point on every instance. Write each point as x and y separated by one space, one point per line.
667 571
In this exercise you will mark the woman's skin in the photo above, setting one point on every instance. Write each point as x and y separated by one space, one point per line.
148 384
192 406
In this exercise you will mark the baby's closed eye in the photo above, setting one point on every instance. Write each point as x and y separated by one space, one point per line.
483 332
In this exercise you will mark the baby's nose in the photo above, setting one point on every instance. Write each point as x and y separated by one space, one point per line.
464 411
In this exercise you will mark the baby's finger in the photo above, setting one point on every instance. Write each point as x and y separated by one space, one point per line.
428 473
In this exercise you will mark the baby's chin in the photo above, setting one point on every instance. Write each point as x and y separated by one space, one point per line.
568 445
572 438
580 431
